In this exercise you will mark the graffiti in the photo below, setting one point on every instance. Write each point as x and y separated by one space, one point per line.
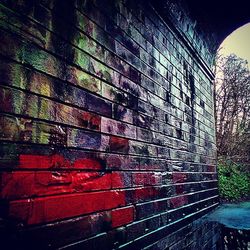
102 139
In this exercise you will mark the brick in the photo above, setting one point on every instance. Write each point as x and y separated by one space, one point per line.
52 235
135 230
61 159
97 242
141 194
48 109
83 139
179 177
72 116
150 208
127 55
178 201
121 162
121 179
122 216
141 148
153 164
26 130
115 94
98 105
144 135
142 120
83 80
16 185
115 62
123 114
147 179
128 85
100 70
118 144
117 128
104 110
42 210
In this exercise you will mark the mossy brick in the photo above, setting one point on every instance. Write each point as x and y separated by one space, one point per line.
100 70
89 8
49 110
83 79
29 54
114 94
47 63
27 130
64 48
12 21
89 45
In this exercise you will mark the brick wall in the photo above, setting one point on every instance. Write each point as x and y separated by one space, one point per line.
107 127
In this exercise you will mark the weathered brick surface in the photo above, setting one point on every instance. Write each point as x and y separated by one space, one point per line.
107 127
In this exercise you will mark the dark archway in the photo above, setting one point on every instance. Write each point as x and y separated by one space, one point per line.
217 19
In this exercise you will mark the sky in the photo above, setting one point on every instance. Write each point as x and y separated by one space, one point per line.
238 42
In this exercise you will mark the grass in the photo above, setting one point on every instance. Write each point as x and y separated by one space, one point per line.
234 181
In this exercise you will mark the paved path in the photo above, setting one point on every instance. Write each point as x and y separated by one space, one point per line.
233 215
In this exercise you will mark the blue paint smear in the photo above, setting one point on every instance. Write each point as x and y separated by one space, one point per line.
235 216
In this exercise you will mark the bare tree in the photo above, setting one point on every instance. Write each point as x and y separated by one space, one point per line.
233 107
